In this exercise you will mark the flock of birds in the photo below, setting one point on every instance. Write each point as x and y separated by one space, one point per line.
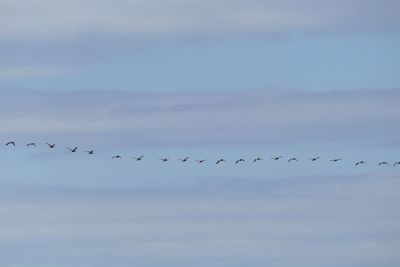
219 161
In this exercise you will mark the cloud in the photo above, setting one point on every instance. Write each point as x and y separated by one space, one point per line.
255 117
22 72
46 19
308 221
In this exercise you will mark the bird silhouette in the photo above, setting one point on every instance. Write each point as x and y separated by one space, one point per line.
73 150
184 160
51 145
139 158
219 161
10 143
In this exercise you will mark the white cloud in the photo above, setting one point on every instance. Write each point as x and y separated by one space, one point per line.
46 19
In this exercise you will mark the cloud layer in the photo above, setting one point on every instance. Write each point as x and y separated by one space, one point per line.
257 117
309 221
46 19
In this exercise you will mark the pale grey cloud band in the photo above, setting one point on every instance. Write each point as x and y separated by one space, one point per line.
314 221
54 20
202 118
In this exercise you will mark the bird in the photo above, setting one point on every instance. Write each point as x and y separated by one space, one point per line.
184 160
116 157
257 159
73 150
51 145
10 143
383 163
31 144
396 163
90 152
314 159
276 158
139 158
360 162
219 161
292 159
240 160
201 161
164 159
335 160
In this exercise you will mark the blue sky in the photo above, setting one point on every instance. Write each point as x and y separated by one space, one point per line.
316 62
199 46
205 79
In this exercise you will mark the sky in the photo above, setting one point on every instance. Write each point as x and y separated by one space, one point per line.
206 79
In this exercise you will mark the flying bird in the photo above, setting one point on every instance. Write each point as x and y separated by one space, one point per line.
139 158
219 161
51 145
201 161
292 159
184 160
31 144
73 150
360 162
90 152
396 163
335 160
240 160
10 143
383 163
314 159
257 159
276 158
116 157
164 159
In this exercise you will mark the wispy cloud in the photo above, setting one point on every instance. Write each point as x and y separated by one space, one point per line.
313 221
45 19
22 72
262 117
